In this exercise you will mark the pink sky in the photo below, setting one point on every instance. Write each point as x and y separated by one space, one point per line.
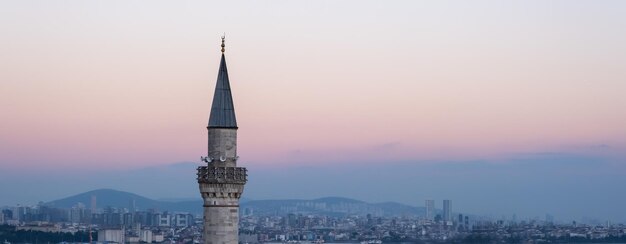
100 84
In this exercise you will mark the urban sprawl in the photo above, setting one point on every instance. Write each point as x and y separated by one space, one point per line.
41 223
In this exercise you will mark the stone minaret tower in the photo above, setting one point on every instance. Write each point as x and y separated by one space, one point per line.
221 181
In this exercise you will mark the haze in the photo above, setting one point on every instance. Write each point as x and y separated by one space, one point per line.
504 107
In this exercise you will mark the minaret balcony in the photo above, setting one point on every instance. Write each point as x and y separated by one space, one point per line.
232 175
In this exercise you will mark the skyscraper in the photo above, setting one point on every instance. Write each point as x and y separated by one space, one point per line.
430 209
221 182
447 210
93 203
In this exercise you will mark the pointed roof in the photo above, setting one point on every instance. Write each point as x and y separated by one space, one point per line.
222 109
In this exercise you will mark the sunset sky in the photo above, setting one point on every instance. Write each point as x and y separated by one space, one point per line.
123 85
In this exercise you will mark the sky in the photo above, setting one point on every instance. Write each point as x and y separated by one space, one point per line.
508 101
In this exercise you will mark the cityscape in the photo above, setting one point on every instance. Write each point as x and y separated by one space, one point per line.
328 220
358 122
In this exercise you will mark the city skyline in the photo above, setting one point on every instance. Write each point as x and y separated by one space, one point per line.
476 102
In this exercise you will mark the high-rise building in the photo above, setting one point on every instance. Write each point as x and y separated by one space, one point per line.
221 182
430 209
111 235
93 203
447 210
132 205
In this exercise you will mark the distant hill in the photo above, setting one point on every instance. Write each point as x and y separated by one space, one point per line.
336 200
121 199
104 197
333 206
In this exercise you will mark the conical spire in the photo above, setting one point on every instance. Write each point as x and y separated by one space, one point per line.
222 109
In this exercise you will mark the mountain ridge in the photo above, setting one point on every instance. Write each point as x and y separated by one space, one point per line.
332 205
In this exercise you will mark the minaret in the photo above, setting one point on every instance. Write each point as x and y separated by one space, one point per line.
221 182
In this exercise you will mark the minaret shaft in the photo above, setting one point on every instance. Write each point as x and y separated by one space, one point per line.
222 146
221 182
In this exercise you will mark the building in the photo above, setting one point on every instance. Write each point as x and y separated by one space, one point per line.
39 226
145 236
111 236
447 210
182 219
77 213
163 220
221 182
248 211
93 204
430 209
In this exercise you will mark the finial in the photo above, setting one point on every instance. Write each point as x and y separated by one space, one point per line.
223 39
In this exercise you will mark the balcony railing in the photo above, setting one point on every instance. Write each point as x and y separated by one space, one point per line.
235 175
